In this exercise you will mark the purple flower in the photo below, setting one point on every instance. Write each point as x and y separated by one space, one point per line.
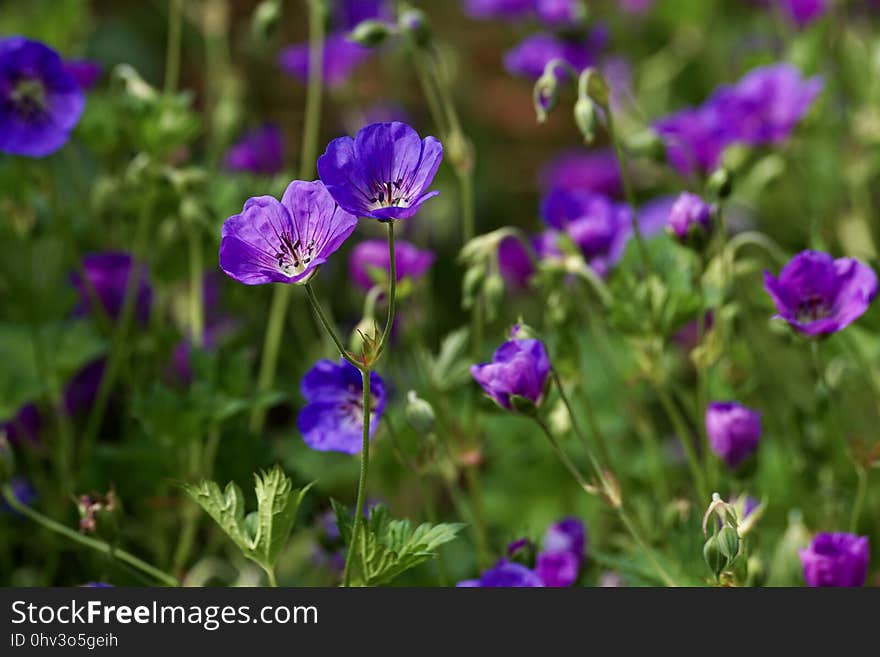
333 418
24 493
560 13
80 392
259 151
766 104
567 535
694 138
689 213
347 14
514 262
591 220
529 58
557 569
836 559
595 171
519 368
369 259
505 574
40 102
272 242
84 71
107 277
341 57
803 12
734 431
521 546
25 426
505 9
818 295
383 172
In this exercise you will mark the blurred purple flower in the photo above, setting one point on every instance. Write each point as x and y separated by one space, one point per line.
687 336
557 569
284 242
567 535
25 426
80 392
578 169
505 574
689 213
836 559
24 493
341 57
333 417
85 71
514 262
591 220
519 546
346 14
108 274
766 104
259 151
817 294
503 9
383 172
519 368
40 101
803 12
694 138
529 58
560 13
734 431
371 256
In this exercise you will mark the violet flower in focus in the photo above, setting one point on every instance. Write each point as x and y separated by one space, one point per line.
333 418
40 101
286 241
818 295
383 172
259 151
734 431
369 259
836 559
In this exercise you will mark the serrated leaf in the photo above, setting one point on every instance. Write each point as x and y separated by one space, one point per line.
391 547
262 534
343 520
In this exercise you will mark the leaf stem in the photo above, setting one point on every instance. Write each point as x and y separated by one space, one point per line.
95 544
328 327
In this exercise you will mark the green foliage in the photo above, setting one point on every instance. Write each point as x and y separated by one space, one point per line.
390 547
262 534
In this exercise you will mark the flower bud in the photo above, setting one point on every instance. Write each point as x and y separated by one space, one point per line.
646 143
585 119
713 556
265 20
473 280
370 33
363 335
690 220
522 331
545 94
728 542
594 85
493 292
414 23
720 183
419 414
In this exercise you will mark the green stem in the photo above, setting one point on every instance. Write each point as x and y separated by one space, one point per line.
628 190
861 495
119 341
593 423
392 285
311 125
172 50
362 481
624 517
196 289
328 327
95 544
684 438
270 574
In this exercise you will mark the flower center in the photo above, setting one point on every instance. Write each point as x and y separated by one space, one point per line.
293 256
29 97
388 194
812 308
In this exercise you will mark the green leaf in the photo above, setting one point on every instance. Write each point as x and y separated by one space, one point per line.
262 534
391 547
